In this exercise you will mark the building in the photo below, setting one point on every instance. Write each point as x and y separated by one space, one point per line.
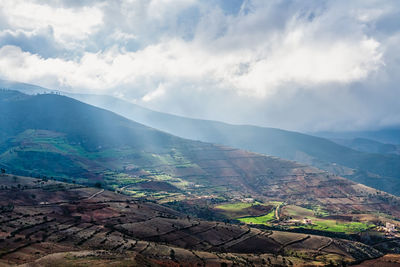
390 227
307 221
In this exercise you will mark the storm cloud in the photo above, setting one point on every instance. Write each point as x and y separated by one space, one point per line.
299 65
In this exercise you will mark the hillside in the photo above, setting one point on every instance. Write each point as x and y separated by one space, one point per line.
385 135
369 146
372 169
59 137
47 223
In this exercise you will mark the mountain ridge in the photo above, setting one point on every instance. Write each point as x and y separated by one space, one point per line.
312 150
322 153
59 136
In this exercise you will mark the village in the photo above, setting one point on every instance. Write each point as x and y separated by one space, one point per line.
389 229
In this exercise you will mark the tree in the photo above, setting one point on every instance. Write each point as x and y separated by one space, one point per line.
172 255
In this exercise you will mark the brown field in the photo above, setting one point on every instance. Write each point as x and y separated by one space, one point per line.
390 260
41 218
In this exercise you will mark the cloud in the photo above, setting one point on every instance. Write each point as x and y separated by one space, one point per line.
298 55
68 24
39 41
159 92
262 62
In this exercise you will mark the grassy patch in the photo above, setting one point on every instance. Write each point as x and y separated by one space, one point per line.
177 182
260 219
298 212
319 211
121 179
316 214
336 226
236 206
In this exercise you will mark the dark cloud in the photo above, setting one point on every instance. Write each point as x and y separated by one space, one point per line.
39 42
300 65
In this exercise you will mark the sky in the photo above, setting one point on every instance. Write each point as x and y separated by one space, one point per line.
298 65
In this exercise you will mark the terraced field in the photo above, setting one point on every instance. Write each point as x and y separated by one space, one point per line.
57 138
259 219
40 218
70 141
325 223
250 213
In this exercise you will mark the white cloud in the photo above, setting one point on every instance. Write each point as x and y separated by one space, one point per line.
160 9
68 24
160 91
268 53
296 59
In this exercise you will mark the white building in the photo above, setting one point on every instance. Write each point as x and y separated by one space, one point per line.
390 227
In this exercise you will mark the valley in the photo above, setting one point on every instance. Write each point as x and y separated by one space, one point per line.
47 221
199 133
367 166
82 180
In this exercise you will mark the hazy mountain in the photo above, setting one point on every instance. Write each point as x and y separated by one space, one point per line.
385 135
58 136
24 87
369 146
372 169
54 136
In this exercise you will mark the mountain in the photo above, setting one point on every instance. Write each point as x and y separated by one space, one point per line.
386 135
372 169
60 137
26 88
369 146
206 199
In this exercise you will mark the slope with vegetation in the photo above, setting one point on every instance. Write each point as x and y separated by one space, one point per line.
61 138
381 171
48 223
58 138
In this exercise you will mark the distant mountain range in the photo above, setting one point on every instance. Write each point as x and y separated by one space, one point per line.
389 135
369 166
57 136
372 168
368 145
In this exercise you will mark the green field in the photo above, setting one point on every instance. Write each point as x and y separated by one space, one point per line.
236 206
260 219
319 223
238 211
336 226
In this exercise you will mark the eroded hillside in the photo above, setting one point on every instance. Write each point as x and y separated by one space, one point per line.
40 218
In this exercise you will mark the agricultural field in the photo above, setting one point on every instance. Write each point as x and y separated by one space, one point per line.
48 222
324 222
249 213
260 219
338 226
238 206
